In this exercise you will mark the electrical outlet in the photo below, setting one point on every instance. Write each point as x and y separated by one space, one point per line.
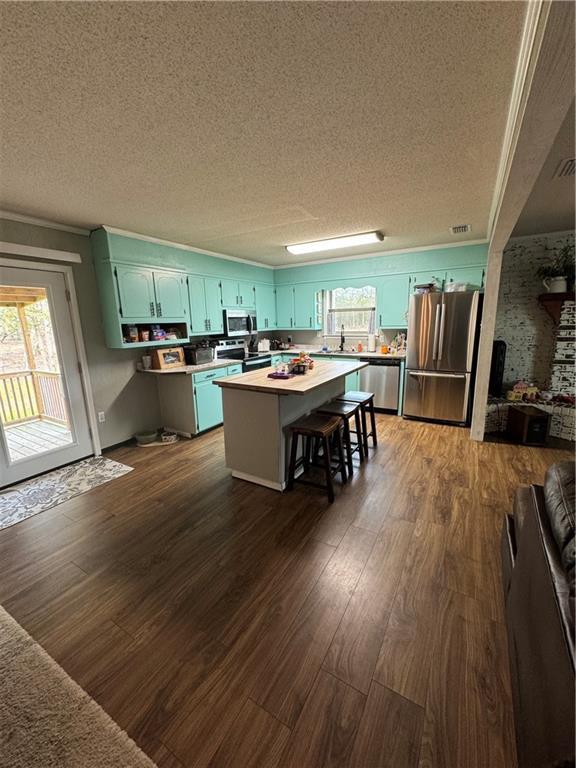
101 417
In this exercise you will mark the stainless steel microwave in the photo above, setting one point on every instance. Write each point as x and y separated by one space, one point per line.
239 322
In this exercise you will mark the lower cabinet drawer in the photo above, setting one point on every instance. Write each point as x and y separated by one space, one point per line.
215 373
234 370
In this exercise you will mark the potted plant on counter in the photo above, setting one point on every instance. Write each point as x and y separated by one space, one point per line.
558 274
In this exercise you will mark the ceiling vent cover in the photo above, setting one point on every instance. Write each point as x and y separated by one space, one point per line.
460 229
565 168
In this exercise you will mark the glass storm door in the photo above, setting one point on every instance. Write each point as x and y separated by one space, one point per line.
43 419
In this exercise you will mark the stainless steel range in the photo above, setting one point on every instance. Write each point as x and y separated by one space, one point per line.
231 349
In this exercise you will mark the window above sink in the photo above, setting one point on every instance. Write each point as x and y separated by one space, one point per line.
353 308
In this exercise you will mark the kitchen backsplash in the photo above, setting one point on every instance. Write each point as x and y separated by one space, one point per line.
309 338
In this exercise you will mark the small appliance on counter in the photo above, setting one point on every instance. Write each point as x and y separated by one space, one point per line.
196 354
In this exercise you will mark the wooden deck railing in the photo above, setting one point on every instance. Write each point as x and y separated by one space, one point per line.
26 395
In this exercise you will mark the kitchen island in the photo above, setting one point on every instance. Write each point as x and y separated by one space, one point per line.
258 411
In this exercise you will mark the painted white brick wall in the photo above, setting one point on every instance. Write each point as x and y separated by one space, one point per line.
521 321
536 350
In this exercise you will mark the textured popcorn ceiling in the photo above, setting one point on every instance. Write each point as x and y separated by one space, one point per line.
550 207
242 127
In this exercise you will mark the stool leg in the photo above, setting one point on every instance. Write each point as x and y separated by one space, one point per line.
307 448
373 423
292 465
359 435
364 430
328 468
340 448
316 451
348 447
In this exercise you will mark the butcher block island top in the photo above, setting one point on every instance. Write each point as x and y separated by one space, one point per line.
323 373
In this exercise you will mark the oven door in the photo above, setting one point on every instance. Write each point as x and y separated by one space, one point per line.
236 323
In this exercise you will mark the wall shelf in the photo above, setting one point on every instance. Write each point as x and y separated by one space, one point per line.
552 303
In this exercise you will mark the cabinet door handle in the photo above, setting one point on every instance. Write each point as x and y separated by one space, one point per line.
380 320
241 300
152 308
159 309
310 322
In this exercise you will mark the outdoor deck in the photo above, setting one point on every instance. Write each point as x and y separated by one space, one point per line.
33 437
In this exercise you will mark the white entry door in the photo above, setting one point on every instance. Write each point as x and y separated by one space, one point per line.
43 417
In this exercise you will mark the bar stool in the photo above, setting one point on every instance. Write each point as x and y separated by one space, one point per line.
317 428
366 402
346 411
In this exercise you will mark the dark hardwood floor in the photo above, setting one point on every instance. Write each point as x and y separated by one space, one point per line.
226 626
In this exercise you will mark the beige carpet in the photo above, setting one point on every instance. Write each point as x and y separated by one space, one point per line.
46 719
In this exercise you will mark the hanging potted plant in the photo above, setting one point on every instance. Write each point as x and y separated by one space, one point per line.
558 274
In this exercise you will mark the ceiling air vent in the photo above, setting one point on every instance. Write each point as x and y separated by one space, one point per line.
460 229
565 168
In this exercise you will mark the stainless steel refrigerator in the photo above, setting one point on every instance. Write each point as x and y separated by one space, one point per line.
442 330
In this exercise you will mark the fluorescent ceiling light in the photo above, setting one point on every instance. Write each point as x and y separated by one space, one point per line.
367 238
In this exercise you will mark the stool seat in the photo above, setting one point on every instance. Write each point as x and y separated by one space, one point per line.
317 428
339 408
357 397
315 425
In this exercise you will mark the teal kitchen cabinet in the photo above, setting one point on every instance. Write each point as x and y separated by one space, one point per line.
135 287
247 295
208 402
205 305
306 313
392 295
208 397
285 307
214 313
423 278
266 307
237 294
171 296
297 307
197 296
474 276
146 295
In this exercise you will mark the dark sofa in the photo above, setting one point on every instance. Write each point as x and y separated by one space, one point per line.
538 566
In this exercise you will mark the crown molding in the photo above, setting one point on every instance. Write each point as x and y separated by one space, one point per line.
373 255
182 247
23 219
536 11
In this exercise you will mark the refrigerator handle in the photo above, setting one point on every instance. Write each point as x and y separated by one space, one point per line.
434 374
436 329
442 318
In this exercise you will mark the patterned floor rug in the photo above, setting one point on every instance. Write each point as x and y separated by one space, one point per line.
22 501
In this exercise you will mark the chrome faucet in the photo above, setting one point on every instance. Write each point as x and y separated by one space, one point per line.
342 339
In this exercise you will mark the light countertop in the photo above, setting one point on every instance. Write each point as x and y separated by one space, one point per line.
316 351
324 371
190 369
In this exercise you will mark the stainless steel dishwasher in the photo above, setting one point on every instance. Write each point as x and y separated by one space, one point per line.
382 376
